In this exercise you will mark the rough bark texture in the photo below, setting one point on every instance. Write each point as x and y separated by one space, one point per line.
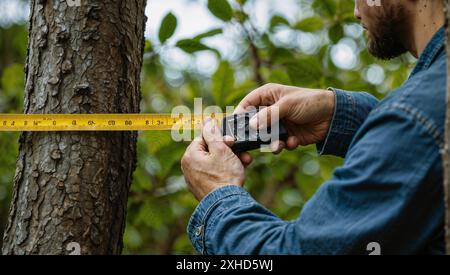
73 187
446 154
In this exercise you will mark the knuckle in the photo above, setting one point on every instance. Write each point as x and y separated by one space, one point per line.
186 160
271 86
222 147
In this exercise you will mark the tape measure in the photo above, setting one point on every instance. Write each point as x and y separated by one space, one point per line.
99 122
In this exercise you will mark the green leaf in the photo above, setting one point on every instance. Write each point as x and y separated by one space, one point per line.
192 46
281 55
277 20
325 7
280 77
304 72
221 9
222 83
348 18
335 33
241 16
310 24
168 27
210 33
148 46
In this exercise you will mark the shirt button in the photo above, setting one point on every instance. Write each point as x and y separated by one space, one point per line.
199 230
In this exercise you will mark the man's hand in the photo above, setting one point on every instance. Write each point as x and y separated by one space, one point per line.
306 113
209 162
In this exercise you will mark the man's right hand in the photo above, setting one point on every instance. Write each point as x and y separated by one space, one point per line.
306 113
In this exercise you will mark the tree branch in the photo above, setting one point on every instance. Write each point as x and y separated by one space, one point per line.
254 51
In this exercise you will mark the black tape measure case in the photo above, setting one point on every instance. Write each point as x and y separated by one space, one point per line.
246 138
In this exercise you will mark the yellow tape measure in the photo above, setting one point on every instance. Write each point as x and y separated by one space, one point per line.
99 122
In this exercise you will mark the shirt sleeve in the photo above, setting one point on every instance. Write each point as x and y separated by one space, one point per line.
351 110
388 191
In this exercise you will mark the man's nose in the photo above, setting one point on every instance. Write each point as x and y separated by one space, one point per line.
356 12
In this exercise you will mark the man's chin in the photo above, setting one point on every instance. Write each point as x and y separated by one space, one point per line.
386 51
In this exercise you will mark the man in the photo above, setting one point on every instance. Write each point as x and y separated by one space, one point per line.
389 189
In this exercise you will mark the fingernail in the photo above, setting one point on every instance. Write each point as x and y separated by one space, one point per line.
277 146
238 111
274 146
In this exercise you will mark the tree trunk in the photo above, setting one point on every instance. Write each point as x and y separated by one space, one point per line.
446 156
73 187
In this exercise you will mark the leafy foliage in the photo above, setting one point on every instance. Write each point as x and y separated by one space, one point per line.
191 45
168 27
310 24
221 9
310 55
222 82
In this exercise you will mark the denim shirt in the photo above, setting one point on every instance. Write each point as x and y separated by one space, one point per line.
389 189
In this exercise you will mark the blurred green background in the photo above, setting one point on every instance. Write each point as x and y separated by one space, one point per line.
218 50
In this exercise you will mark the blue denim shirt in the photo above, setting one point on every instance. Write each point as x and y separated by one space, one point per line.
389 189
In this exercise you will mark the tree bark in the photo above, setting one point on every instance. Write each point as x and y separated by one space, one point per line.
73 187
446 155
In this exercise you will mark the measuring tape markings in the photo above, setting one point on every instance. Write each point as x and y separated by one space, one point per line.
100 122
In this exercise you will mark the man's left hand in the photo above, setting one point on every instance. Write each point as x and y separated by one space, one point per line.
209 163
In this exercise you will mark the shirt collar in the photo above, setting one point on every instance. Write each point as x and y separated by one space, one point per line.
434 47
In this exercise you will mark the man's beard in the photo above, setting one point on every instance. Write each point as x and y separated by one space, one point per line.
385 42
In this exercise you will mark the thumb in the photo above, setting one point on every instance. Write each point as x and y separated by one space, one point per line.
269 115
213 137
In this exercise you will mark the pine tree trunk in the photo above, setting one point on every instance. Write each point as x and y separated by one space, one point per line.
446 156
73 187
